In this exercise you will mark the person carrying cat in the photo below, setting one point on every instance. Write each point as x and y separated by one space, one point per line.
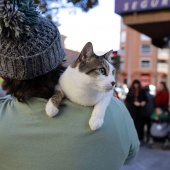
31 55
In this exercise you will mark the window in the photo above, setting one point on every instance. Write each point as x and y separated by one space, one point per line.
145 63
122 65
122 24
123 36
122 51
146 49
162 66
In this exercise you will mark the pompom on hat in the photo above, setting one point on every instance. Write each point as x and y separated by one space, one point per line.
30 45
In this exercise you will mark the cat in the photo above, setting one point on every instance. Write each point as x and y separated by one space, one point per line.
88 81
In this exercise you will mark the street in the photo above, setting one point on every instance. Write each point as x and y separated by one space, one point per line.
150 159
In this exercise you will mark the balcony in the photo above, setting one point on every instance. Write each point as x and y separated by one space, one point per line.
162 68
163 54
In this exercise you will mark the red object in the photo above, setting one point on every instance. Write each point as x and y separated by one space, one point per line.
145 80
162 99
114 53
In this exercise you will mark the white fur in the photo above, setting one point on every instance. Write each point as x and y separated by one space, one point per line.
88 91
50 109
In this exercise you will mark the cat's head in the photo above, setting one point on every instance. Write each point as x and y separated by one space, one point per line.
97 69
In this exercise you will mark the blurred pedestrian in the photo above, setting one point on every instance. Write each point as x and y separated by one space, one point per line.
159 115
135 103
159 125
146 114
162 96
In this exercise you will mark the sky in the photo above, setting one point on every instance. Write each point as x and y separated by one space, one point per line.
100 25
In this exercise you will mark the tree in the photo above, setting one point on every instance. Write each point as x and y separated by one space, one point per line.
85 5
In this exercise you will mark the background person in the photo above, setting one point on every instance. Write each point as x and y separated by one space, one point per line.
146 114
30 59
135 103
159 115
162 96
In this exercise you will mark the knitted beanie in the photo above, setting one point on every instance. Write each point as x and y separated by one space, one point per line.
30 45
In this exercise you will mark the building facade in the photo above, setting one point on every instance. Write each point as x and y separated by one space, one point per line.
140 59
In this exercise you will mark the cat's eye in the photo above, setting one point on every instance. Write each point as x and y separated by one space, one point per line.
102 71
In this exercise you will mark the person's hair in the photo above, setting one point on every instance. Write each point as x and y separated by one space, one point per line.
132 88
164 86
42 86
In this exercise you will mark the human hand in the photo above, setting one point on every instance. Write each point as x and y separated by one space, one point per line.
156 118
143 103
137 103
166 113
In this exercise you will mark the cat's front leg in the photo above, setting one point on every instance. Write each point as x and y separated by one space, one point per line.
52 106
97 117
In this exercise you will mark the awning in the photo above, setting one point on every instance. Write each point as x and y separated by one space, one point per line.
145 80
151 18
131 6
145 77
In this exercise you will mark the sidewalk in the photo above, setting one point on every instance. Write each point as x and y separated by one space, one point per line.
150 159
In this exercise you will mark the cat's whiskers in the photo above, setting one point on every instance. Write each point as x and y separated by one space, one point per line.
104 86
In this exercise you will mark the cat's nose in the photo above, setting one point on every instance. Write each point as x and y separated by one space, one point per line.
113 83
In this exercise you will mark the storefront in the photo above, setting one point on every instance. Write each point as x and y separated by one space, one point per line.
145 79
150 17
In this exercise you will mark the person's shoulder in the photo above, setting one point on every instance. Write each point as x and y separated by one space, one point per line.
119 108
120 112
73 107
125 127
117 103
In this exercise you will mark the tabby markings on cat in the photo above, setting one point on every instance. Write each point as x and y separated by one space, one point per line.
90 76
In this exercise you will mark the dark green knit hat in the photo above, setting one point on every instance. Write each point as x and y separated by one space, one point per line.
30 45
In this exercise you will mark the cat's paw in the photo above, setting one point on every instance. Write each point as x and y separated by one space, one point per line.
95 123
50 109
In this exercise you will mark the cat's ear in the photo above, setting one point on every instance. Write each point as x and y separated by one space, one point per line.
109 56
86 52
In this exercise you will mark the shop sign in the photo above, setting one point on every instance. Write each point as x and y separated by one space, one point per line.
131 6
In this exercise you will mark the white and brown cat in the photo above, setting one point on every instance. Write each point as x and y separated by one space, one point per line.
89 81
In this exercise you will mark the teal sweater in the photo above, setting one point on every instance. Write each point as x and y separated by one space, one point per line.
30 140
162 116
